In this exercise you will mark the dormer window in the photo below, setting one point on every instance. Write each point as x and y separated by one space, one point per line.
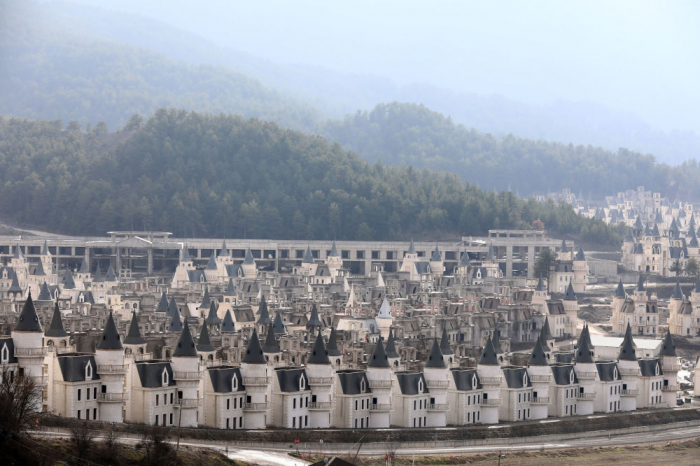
420 386
657 369
4 354
571 377
615 377
302 383
525 379
165 378
363 386
474 381
88 371
234 383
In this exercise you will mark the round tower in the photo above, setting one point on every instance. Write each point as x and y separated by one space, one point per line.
586 371
321 378
109 356
380 376
28 339
629 370
670 367
185 364
435 372
540 377
489 371
256 379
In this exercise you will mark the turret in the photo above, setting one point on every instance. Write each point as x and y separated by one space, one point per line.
391 353
321 376
489 371
250 268
446 351
204 347
256 378
570 303
629 370
670 367
28 338
271 348
586 371
56 335
540 377
135 344
380 378
436 263
333 351
109 356
228 325
435 371
314 324
185 364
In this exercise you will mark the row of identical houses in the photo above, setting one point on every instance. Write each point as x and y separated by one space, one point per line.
122 382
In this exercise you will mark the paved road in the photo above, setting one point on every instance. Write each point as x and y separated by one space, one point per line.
279 457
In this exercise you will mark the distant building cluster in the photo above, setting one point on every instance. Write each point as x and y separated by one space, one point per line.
232 345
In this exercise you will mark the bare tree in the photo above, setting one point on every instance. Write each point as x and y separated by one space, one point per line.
391 445
83 437
111 438
159 451
19 398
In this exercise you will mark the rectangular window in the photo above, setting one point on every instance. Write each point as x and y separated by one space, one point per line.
87 394
94 392
227 423
156 421
375 254
157 399
171 398
294 403
360 254
79 393
294 422
228 403
87 414
171 418
306 421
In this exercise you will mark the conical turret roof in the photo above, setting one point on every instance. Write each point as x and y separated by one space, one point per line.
44 293
488 355
490 256
677 292
206 300
436 256
84 267
163 303
435 358
134 335
496 341
620 291
384 310
580 256
563 246
204 343
254 353
640 283
629 237
14 287
172 307
546 333
211 263
583 353
111 276
110 339
228 325
445 343
540 285
277 325
224 250
175 322
411 248
538 357
668 348
230 289
97 277
627 351
186 255
39 270
28 319
332 347
271 344
570 295
390 348
264 318
212 318
249 259
68 282
379 357
308 257
314 321
185 345
319 354
464 260
334 250
56 328
18 253
45 249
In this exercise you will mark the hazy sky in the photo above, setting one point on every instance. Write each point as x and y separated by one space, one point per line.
636 56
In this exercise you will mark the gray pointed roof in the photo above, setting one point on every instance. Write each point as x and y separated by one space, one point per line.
175 322
39 270
224 250
14 287
537 357
490 255
435 358
68 282
332 347
655 231
278 325
45 249
638 223
249 259
496 341
390 348
56 328
696 289
186 255
185 344
488 355
133 337
658 218
318 354
28 319
18 253
44 293
627 352
445 343
620 291
464 260
563 246
271 344
308 257
211 264
629 237
580 256
677 292
230 289
206 301
172 307
668 348
379 357
546 333
540 285
583 353
411 248
84 267
314 321
228 326
254 353
204 343
640 283
334 250
97 278
436 256
693 243
570 295
111 276
110 339
264 318
163 303
212 318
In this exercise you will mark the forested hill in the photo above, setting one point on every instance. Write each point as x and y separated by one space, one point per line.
409 134
47 72
203 175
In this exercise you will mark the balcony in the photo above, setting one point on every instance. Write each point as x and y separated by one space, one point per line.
630 392
111 368
490 402
437 383
589 396
540 400
256 406
194 375
380 384
490 380
671 367
585 375
381 407
188 403
669 388
256 381
321 405
441 407
113 397
541 378
320 380
630 372
31 351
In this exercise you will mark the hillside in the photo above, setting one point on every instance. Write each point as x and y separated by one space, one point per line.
409 134
224 176
49 72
